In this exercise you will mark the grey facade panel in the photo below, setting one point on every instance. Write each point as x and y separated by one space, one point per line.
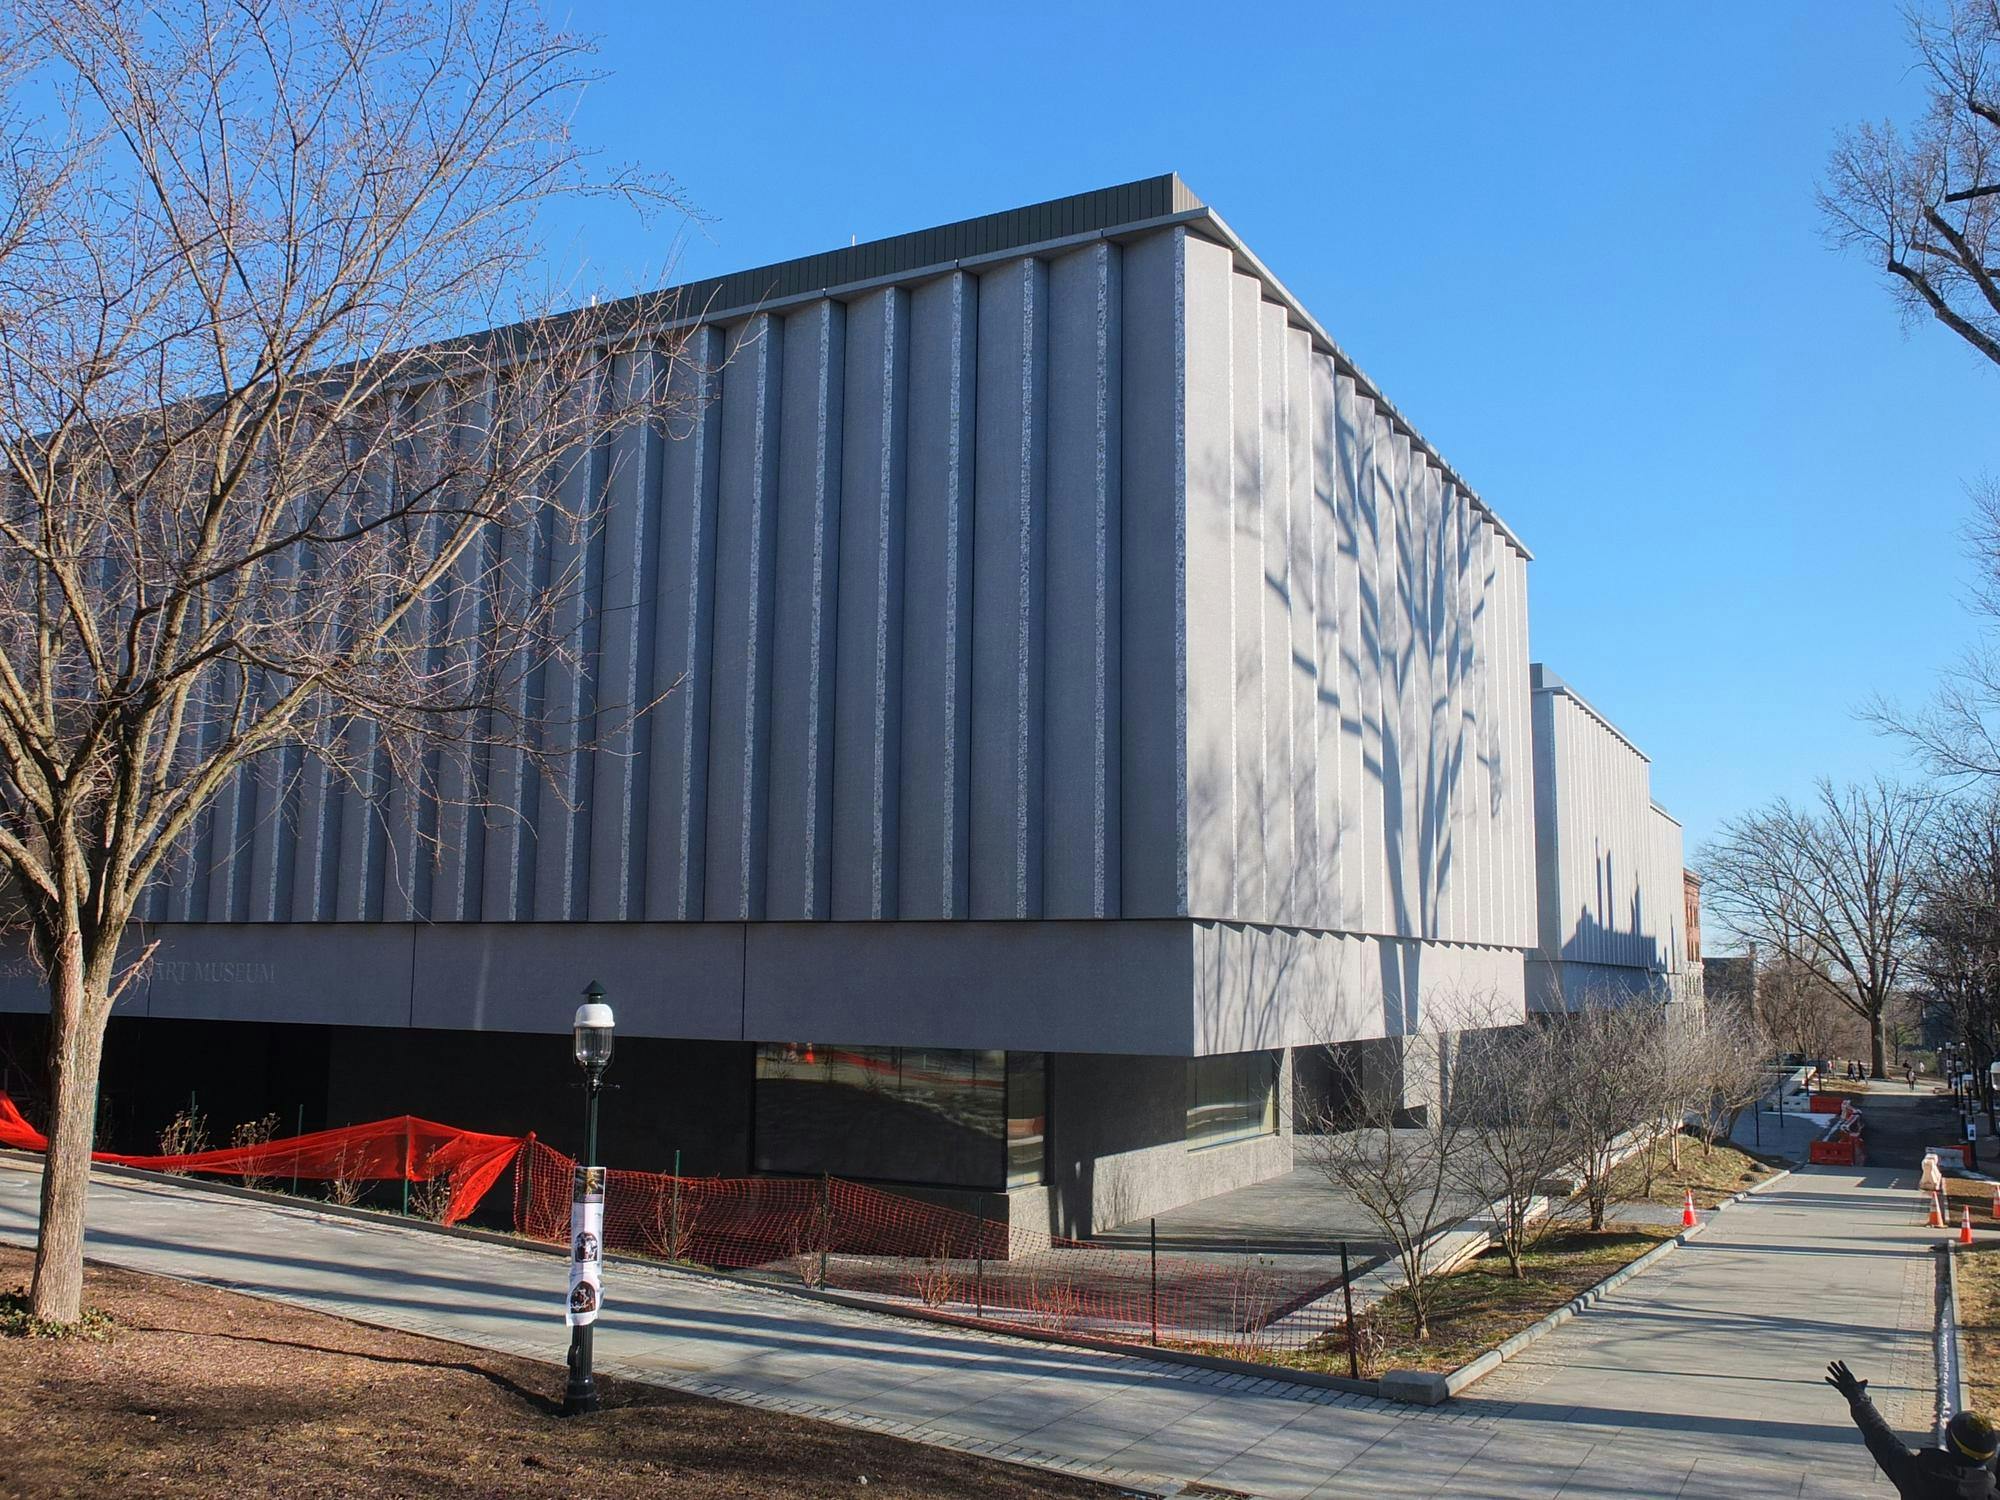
1209 423
683 646
629 593
800 820
868 709
739 760
1246 526
567 695
1061 986
934 801
1082 694
458 883
1009 588
1152 594
349 975
664 979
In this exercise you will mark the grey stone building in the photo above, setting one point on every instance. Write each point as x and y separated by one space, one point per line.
1086 694
1614 903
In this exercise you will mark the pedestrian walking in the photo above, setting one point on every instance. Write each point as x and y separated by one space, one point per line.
1961 1470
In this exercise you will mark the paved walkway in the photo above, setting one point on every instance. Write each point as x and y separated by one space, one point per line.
1700 1380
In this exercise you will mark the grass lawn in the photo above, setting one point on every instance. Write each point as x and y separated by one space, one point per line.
1979 1324
1714 1172
1962 1192
202 1392
1476 1307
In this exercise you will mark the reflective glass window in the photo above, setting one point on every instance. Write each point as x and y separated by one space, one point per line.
1231 1097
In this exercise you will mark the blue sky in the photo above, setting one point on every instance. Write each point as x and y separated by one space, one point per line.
1576 245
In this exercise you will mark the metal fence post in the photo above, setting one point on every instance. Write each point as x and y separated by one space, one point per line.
1347 1291
979 1288
1153 1242
826 1223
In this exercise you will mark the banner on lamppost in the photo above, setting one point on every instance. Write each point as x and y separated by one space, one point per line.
586 1247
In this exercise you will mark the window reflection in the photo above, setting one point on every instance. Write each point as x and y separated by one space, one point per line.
1231 1097
952 1117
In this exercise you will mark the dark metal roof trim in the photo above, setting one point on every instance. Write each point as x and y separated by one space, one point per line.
1058 218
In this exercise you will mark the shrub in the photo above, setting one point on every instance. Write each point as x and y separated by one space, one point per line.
186 1135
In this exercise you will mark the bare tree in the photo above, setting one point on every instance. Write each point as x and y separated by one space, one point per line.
1957 952
1607 1049
1673 1079
266 508
1732 1076
1801 1012
1922 202
1957 733
1400 1166
1831 887
1515 1134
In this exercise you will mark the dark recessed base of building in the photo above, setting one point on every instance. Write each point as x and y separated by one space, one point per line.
1066 1143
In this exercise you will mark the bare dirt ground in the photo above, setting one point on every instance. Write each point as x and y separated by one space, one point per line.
202 1392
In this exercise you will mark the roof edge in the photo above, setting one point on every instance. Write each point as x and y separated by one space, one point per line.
1543 680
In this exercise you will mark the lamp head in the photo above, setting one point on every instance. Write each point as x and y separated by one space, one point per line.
592 1030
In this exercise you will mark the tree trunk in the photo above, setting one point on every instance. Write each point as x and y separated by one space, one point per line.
1876 1060
76 1046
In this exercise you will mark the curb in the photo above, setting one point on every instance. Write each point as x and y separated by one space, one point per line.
1950 1360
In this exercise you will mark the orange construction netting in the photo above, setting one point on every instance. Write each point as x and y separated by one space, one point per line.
827 1233
846 1236
403 1149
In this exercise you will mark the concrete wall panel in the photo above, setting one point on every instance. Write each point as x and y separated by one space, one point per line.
800 817
868 710
1061 986
1082 760
683 644
934 868
739 757
1009 587
1154 585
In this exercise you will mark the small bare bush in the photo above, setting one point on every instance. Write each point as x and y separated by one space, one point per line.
1056 1301
933 1280
344 1188
671 1229
1370 1345
186 1135
1254 1295
812 1238
430 1198
250 1135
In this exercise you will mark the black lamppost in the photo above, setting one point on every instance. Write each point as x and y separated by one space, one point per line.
592 1036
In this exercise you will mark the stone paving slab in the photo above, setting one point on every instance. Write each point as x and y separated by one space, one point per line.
1700 1379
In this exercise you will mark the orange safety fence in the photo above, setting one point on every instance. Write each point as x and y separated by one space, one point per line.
402 1149
846 1236
831 1234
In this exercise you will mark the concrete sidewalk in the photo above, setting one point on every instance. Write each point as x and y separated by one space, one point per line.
1701 1379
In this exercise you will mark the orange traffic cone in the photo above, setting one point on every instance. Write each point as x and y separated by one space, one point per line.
1937 1213
1965 1229
1688 1220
